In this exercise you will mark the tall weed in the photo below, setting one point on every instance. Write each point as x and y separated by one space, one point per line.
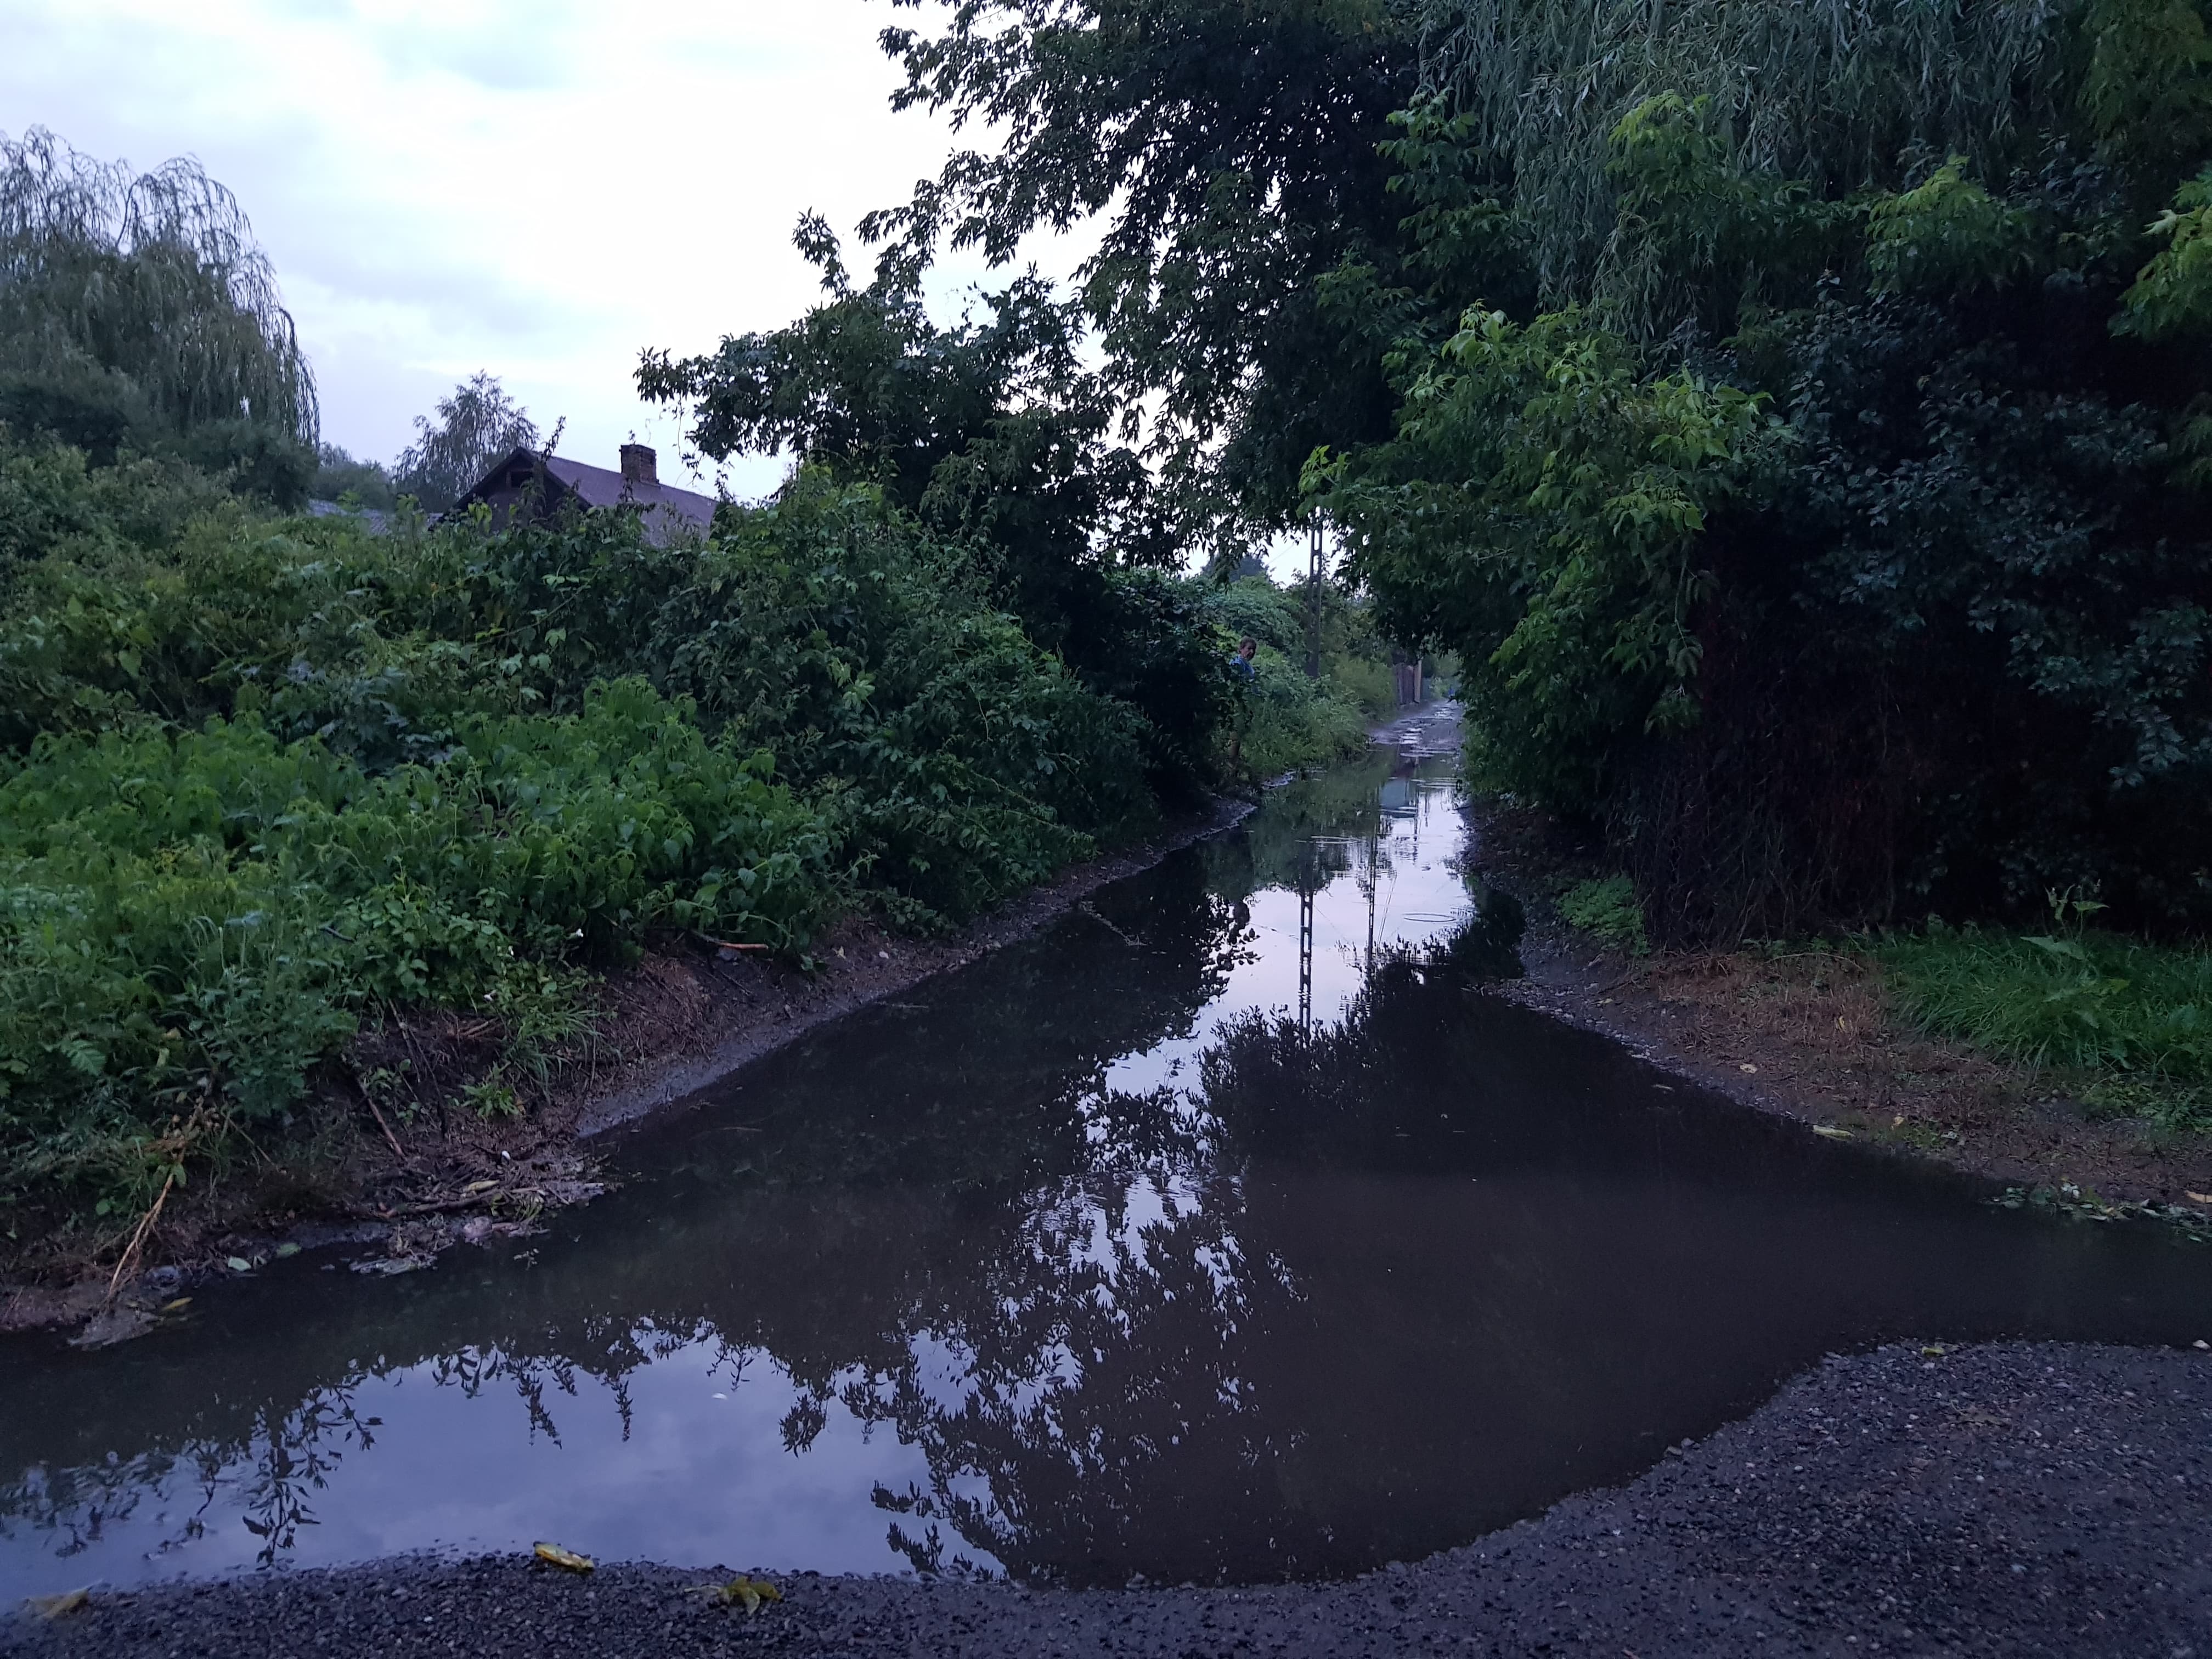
2135 1017
263 780
207 915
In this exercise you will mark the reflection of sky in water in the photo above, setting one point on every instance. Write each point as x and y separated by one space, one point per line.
1411 892
426 1461
685 1458
1070 1266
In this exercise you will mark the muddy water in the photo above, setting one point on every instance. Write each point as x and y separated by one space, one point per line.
1226 1231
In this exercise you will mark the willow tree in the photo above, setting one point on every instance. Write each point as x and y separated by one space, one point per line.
137 311
1839 94
1804 407
476 428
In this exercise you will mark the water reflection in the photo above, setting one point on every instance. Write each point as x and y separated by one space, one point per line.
1095 1259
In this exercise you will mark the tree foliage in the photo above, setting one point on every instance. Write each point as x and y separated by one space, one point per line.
340 477
995 436
1230 150
137 311
1815 513
471 431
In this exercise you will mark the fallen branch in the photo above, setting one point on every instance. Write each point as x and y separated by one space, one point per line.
374 1113
138 1236
441 1206
727 944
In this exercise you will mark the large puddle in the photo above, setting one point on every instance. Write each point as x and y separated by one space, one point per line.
1224 1232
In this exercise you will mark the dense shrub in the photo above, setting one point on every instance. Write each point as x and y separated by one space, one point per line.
263 780
1283 720
204 916
1820 511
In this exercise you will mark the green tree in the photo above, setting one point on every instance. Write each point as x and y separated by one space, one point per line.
1813 515
474 428
993 433
1230 150
339 476
137 312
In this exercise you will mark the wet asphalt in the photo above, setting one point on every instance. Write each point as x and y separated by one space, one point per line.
2013 1499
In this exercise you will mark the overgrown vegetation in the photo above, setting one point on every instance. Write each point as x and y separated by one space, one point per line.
1794 415
1281 719
267 782
2129 1022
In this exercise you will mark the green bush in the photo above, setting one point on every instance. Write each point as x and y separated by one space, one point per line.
1283 720
206 916
1287 720
264 780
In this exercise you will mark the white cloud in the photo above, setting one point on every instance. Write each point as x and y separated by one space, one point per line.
540 190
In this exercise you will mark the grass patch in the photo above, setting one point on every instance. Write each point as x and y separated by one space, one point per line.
2133 1020
1608 907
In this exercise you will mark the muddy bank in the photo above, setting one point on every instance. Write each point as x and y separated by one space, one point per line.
395 1187
1810 1036
2008 1499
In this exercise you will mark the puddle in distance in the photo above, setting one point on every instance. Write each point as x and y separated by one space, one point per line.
1090 1260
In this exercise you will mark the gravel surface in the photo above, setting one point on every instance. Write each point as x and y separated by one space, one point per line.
2012 1499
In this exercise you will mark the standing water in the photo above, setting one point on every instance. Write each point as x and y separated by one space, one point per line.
1226 1231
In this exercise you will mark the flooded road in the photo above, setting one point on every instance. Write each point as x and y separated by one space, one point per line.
1224 1231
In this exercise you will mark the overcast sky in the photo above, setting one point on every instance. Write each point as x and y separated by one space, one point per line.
538 190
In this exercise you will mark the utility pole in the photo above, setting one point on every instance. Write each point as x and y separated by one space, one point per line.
1373 855
1313 607
1305 957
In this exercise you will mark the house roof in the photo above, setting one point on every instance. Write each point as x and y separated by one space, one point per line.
667 510
597 486
376 519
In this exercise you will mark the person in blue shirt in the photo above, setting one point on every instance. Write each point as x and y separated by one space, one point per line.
1241 663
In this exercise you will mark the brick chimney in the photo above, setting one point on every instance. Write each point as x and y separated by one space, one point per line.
640 465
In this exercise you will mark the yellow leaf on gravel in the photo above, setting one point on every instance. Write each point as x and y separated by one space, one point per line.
750 1594
554 1554
2198 1198
56 1606
1832 1132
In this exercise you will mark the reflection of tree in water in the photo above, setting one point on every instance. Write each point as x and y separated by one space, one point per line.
295 1461
270 1464
1052 1288
272 1471
1256 1322
1110 1375
1275 847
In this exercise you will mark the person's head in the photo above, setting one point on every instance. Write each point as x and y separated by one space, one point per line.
1246 646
